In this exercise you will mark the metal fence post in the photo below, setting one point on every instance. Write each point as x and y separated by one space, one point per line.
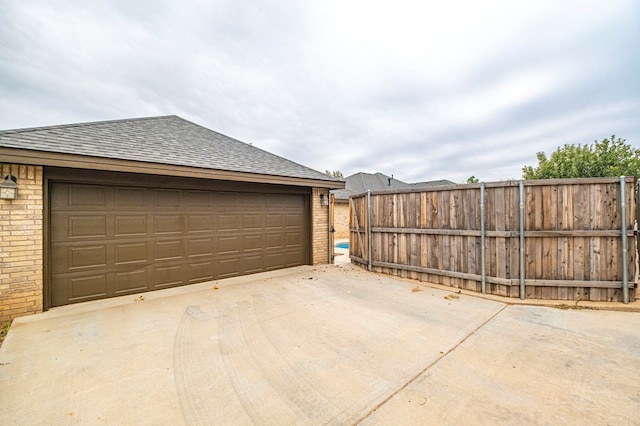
369 227
483 253
623 208
522 287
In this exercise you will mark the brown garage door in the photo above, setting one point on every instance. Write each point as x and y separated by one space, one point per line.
113 240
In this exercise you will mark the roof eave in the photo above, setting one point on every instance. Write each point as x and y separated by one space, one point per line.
44 158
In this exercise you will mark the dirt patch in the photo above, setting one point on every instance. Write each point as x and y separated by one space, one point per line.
564 306
4 331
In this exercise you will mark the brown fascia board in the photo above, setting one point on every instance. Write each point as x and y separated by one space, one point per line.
44 158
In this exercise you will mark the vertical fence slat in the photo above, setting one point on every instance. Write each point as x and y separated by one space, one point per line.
623 216
553 239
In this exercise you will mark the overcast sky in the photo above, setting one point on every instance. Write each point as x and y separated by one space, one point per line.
423 90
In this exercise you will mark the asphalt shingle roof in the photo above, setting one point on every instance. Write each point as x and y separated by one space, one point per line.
169 140
362 182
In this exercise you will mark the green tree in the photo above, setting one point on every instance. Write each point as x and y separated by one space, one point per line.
609 157
472 179
336 174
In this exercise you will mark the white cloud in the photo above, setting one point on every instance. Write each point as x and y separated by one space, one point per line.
425 90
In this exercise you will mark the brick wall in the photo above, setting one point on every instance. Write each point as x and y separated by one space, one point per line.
319 227
341 221
21 244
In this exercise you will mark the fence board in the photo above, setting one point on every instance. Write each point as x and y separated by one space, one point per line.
573 245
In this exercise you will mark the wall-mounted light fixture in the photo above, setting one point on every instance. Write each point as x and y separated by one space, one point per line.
324 200
9 188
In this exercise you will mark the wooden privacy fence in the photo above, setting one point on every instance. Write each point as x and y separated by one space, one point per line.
561 239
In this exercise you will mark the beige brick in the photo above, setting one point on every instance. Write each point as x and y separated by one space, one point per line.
12 238
21 235
26 305
20 302
319 227
17 312
20 242
20 274
15 260
24 252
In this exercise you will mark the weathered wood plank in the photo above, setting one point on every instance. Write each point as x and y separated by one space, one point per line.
501 244
550 222
572 237
507 234
574 283
565 222
581 198
356 221
423 210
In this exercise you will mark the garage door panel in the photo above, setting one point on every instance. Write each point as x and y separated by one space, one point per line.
252 243
228 245
253 264
201 271
66 231
122 240
86 256
275 260
129 253
168 249
167 276
163 198
252 222
228 222
202 223
65 259
226 268
253 202
130 225
131 281
293 221
200 247
168 224
274 221
79 227
87 196
69 258
274 241
294 257
78 289
130 197
277 202
199 199
281 202
90 286
227 201
294 239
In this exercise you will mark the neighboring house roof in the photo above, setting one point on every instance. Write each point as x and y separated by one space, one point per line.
156 144
440 182
362 182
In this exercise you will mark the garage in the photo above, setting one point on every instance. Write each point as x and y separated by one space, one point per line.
111 240
113 208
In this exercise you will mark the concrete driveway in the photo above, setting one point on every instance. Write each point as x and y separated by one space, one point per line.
319 345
